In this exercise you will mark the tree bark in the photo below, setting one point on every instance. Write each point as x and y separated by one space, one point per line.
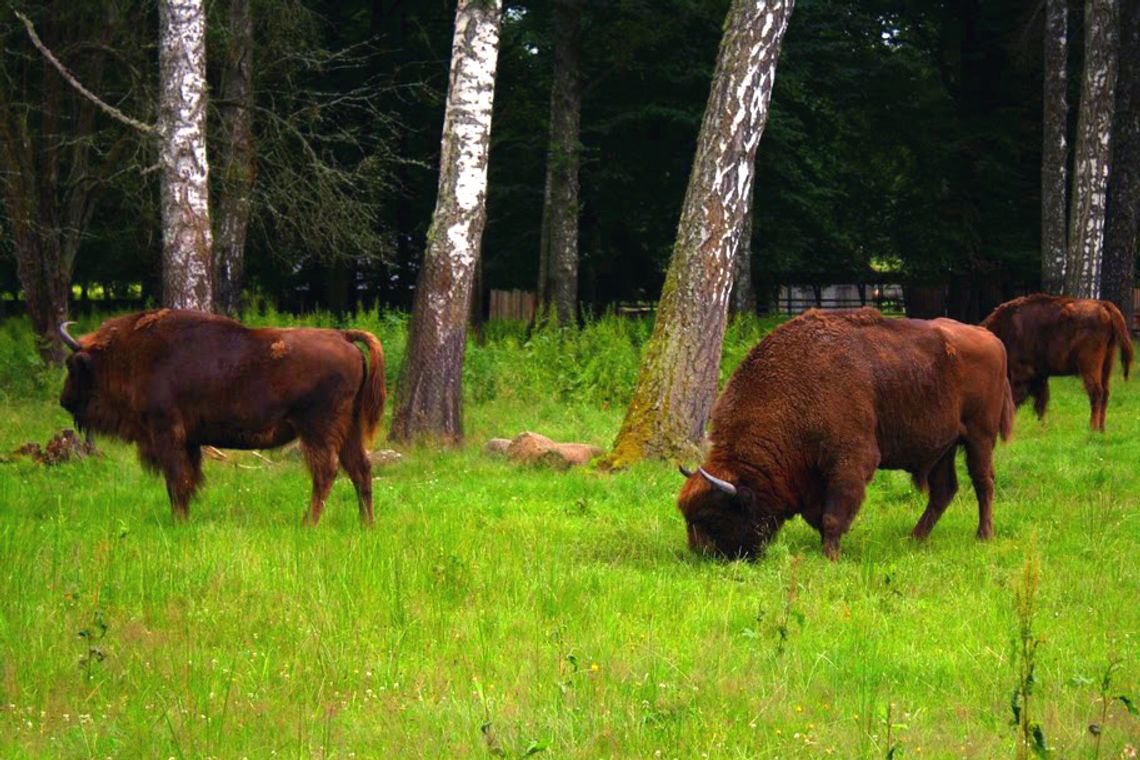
49 188
428 395
236 159
743 293
1093 151
558 259
187 263
1122 215
678 378
1055 146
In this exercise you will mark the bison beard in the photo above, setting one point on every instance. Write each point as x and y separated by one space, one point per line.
827 399
173 381
1048 335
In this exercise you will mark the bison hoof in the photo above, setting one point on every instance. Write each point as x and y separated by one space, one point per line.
985 533
831 552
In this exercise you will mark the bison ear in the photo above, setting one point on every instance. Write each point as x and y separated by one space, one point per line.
81 363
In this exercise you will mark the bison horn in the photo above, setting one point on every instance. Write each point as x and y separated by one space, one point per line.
721 485
686 473
68 341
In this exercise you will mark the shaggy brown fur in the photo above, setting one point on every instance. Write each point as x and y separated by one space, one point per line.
1048 335
827 399
174 381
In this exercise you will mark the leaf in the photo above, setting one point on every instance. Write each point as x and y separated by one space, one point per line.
533 749
1039 746
1129 705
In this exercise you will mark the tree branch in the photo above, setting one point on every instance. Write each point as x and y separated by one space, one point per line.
105 107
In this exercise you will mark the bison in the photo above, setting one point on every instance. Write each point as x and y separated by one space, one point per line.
828 398
1048 335
172 381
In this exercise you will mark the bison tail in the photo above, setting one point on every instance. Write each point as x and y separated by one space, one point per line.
1122 336
1008 409
370 399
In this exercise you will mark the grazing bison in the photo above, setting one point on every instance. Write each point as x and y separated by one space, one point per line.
827 399
1048 335
174 381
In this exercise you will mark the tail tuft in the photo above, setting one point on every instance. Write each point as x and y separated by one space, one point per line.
1121 335
1007 412
370 399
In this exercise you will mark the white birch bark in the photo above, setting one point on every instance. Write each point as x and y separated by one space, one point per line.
187 265
428 394
1055 146
677 383
1093 151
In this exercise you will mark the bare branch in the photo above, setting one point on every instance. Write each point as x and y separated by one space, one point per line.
106 107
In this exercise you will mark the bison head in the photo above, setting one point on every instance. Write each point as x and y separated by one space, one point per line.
80 384
724 518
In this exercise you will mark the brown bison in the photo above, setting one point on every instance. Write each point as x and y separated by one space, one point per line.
174 381
1048 335
828 398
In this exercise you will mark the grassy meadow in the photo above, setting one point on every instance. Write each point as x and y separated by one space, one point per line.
499 610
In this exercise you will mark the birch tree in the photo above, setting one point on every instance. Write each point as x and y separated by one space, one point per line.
743 299
187 263
558 257
1122 215
236 157
428 397
1054 147
677 381
1093 151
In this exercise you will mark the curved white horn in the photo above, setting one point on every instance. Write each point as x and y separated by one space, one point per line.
722 485
68 341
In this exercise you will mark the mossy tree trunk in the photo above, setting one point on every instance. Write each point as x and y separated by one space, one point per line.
558 257
1093 151
1054 145
428 397
187 240
678 378
1122 217
236 159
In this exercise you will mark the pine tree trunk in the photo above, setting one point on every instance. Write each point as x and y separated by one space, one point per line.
1093 151
236 159
428 395
678 378
558 259
743 293
1122 216
1055 147
187 265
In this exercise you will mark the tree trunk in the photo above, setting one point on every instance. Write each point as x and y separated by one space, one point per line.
678 378
1055 147
743 293
1093 151
46 138
1122 215
428 395
187 266
558 259
236 160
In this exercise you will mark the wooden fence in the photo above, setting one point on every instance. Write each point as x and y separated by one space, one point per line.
512 304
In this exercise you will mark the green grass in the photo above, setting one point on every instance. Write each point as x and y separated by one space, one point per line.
499 609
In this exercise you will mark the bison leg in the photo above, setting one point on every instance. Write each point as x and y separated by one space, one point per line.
355 462
1097 396
841 504
1105 377
943 483
979 461
182 467
1039 389
322 466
